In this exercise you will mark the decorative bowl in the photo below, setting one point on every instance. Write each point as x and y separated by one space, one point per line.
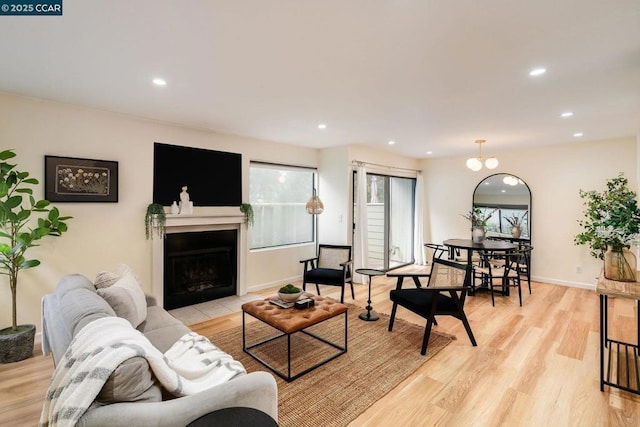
289 297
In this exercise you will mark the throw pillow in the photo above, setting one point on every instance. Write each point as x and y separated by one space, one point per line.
127 299
104 279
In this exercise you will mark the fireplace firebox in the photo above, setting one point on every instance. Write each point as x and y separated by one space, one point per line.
199 267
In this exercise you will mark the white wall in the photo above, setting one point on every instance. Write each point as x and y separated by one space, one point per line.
555 175
102 235
334 224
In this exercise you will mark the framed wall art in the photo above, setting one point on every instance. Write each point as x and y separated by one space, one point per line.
69 179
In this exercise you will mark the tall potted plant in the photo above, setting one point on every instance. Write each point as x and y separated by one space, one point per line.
611 225
18 211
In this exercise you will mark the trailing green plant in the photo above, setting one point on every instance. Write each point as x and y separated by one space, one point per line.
18 233
155 217
247 210
612 217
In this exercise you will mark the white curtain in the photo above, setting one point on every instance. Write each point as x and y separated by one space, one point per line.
360 244
418 234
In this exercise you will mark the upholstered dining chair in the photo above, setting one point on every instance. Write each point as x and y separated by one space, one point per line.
331 267
444 295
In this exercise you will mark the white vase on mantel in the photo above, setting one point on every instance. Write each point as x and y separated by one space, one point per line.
175 210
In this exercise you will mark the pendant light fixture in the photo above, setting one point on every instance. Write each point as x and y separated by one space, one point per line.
475 163
314 206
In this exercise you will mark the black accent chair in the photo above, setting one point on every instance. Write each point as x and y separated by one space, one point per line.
444 295
436 249
331 267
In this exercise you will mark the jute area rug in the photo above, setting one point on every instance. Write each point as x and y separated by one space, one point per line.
334 394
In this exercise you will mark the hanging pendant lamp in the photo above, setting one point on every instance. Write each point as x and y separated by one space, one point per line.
314 206
475 163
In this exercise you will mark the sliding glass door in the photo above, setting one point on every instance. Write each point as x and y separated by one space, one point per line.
390 208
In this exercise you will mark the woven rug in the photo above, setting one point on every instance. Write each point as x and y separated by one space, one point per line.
336 393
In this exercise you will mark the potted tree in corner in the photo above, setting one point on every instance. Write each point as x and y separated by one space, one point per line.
23 221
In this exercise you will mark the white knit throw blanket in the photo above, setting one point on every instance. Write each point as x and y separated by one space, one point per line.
191 365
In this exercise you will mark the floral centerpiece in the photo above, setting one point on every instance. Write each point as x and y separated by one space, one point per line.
611 226
516 222
478 220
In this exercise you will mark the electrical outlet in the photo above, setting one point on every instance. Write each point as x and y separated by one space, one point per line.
578 269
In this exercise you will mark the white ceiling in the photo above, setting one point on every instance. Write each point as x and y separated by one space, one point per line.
432 75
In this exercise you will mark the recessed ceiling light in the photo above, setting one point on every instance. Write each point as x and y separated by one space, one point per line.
322 126
159 82
578 134
566 114
391 142
537 71
429 153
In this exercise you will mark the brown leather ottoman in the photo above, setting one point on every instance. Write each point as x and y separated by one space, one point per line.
290 321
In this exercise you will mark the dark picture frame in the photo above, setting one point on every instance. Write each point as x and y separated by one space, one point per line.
71 179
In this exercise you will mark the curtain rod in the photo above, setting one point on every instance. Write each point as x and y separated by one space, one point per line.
358 162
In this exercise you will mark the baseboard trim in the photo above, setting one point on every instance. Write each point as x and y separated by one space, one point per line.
589 286
262 286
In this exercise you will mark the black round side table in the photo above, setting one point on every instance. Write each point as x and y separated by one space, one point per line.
370 315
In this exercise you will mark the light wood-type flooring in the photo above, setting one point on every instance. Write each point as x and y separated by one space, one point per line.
536 365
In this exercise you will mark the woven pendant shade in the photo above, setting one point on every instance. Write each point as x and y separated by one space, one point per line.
314 205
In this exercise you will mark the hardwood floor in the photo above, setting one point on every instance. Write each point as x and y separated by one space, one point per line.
536 365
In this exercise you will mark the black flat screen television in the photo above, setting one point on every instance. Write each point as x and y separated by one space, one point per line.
213 178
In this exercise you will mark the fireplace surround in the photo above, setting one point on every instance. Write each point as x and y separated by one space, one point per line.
203 221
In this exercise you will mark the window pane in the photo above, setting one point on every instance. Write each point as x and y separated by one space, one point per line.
401 221
278 195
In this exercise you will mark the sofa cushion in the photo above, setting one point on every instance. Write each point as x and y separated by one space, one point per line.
132 381
81 306
127 299
161 328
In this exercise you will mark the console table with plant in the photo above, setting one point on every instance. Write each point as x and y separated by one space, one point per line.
611 225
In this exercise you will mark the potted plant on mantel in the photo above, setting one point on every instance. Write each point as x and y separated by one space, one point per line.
247 210
155 219
611 226
18 208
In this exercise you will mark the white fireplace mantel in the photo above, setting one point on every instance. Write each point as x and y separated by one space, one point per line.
222 220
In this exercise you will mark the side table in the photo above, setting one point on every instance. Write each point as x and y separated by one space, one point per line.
621 358
370 315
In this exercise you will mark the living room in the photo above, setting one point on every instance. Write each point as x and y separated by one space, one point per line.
103 235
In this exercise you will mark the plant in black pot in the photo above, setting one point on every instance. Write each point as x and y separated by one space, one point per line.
23 221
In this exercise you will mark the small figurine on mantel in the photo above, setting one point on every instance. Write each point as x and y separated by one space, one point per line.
186 206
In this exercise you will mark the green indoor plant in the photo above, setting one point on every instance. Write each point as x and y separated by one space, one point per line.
247 210
516 222
478 220
155 217
18 211
611 225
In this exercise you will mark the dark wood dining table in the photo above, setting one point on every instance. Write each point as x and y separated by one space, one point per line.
486 246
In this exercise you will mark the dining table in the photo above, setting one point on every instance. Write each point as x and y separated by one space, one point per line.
486 245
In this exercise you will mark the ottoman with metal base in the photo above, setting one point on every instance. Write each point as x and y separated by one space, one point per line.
290 321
